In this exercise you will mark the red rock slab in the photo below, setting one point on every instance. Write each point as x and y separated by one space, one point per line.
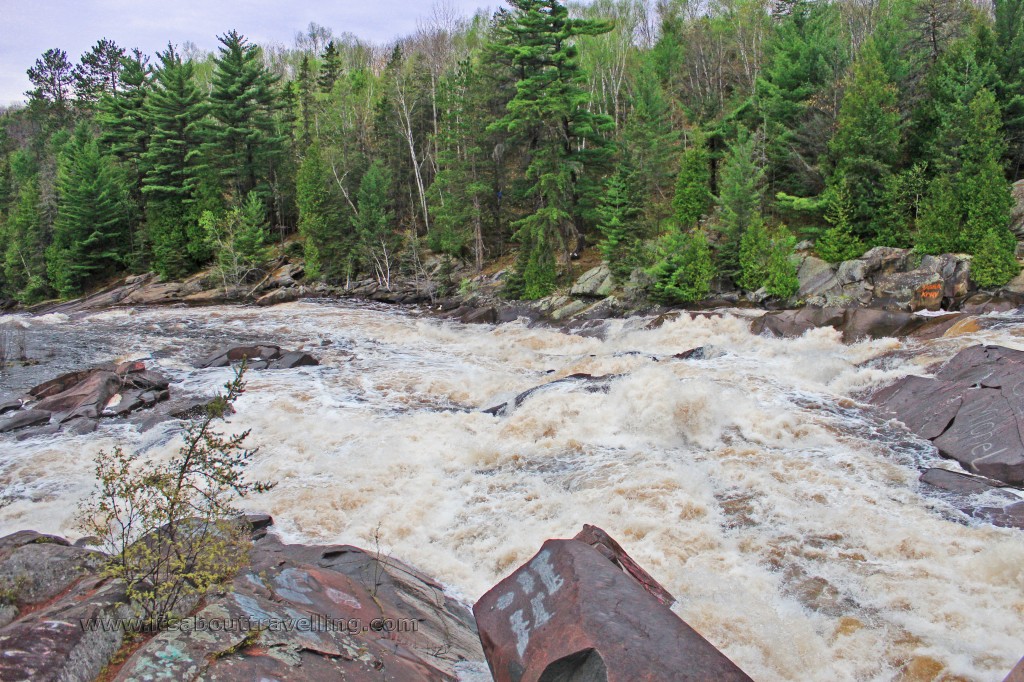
570 613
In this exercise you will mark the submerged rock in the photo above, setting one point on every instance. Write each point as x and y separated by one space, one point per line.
573 613
589 383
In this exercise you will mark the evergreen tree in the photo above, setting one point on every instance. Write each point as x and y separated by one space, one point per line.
52 79
693 191
175 109
993 263
866 145
984 193
839 243
99 71
23 239
937 223
238 239
617 223
755 252
739 200
91 236
330 68
373 223
329 244
245 142
1009 30
782 279
683 270
563 138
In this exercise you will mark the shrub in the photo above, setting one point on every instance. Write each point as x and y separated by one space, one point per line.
170 528
684 269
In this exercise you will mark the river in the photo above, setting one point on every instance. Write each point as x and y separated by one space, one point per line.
754 484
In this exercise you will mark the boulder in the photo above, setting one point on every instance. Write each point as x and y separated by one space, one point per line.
480 316
285 276
596 282
572 613
790 323
157 293
979 497
920 289
276 296
225 356
59 384
295 358
588 382
816 277
23 419
1017 214
11 405
95 390
973 410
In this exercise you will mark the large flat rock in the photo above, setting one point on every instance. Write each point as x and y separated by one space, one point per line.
973 410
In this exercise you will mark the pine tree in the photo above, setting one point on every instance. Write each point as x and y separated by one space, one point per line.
329 243
99 71
175 109
693 192
683 270
562 137
782 279
373 223
23 238
938 222
617 223
739 200
91 236
52 78
755 252
245 142
983 191
993 263
839 243
866 145
330 68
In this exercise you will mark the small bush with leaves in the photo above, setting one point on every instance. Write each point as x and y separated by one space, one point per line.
839 243
994 263
170 528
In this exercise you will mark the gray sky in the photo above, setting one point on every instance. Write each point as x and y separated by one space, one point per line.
30 27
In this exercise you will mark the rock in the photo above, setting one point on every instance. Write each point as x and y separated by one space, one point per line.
158 293
1017 674
225 356
816 277
80 427
11 405
966 489
480 316
38 432
59 384
699 353
790 323
568 310
973 410
919 289
596 282
1017 213
295 358
365 619
23 419
982 303
885 260
589 383
216 295
35 568
278 296
95 390
570 613
285 276
148 380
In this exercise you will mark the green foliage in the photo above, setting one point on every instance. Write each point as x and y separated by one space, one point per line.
617 222
693 192
755 250
170 527
372 222
91 237
739 200
937 223
866 145
993 263
683 270
329 241
782 280
239 239
839 243
549 114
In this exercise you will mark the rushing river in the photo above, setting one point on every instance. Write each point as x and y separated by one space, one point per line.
754 484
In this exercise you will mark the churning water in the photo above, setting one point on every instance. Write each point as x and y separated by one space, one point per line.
754 484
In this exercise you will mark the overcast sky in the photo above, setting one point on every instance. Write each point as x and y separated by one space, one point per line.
30 27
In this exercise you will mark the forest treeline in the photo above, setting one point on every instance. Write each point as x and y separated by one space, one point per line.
696 141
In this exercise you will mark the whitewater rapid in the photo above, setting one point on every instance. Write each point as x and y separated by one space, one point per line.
754 484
